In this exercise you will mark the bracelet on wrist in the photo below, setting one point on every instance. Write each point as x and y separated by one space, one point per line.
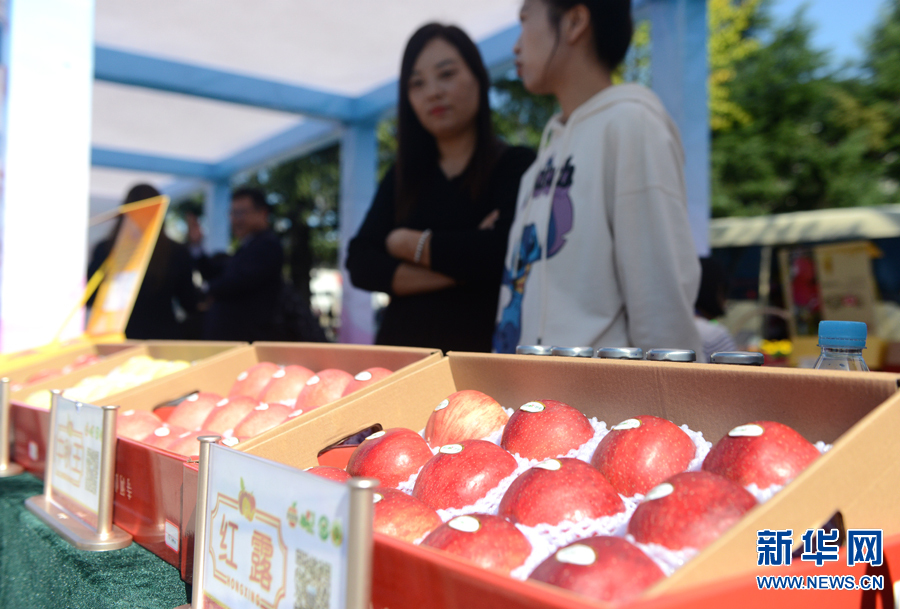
420 246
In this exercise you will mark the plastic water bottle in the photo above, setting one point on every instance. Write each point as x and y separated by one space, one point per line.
842 343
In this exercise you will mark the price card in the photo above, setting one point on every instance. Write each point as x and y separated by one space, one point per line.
276 536
78 442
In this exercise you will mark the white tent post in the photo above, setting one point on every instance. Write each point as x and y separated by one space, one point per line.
359 173
216 206
679 71
48 73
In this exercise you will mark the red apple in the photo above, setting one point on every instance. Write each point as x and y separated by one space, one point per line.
193 410
136 424
165 436
464 415
325 387
366 378
286 384
332 473
399 515
228 413
43 375
762 453
539 430
488 541
253 380
558 490
85 359
689 510
262 418
186 444
461 474
637 454
391 456
607 569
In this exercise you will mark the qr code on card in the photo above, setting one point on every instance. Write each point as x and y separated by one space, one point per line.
312 582
92 465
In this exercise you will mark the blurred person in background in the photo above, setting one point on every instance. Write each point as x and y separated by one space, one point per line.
168 281
243 289
436 232
709 307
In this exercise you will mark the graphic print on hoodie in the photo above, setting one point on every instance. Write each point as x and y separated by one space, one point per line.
509 329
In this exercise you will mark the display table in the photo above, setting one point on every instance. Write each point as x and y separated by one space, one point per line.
40 569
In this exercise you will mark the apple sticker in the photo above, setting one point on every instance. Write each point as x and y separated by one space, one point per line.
279 373
365 375
313 380
128 413
161 432
451 449
746 431
627 424
377 434
243 375
658 492
296 413
221 402
377 497
465 524
262 406
550 464
193 397
577 554
442 405
231 440
532 407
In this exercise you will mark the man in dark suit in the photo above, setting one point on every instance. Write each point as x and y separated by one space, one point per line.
244 289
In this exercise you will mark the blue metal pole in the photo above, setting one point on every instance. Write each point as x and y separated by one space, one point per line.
679 72
359 167
218 226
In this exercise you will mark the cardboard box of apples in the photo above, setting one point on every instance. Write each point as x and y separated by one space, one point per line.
59 363
244 395
588 474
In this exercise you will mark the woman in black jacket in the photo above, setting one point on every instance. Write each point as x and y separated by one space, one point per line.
435 236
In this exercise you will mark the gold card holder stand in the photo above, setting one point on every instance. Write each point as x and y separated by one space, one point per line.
7 469
357 562
79 477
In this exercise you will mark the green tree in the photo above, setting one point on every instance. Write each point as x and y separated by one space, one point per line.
882 64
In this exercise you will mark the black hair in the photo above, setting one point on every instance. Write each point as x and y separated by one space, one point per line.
417 152
140 192
611 23
713 288
256 196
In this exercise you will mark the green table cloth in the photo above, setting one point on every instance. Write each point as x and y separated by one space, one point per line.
39 569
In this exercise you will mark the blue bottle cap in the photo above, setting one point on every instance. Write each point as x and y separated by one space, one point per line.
842 334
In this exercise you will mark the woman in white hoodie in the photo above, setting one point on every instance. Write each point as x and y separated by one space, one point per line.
600 252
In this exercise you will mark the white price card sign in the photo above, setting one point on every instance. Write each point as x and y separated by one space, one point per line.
78 442
276 536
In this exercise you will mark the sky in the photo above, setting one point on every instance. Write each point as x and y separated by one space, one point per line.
840 24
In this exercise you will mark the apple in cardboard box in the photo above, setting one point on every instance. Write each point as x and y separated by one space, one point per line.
607 569
761 453
366 378
165 436
187 445
286 384
136 424
544 429
464 415
558 490
391 456
325 387
689 510
262 418
639 453
228 413
461 474
402 516
488 541
193 410
327 471
253 380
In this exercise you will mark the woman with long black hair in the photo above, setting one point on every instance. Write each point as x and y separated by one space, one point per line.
435 236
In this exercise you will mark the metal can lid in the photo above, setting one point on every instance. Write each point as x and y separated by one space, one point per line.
533 350
573 351
737 358
671 355
621 353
